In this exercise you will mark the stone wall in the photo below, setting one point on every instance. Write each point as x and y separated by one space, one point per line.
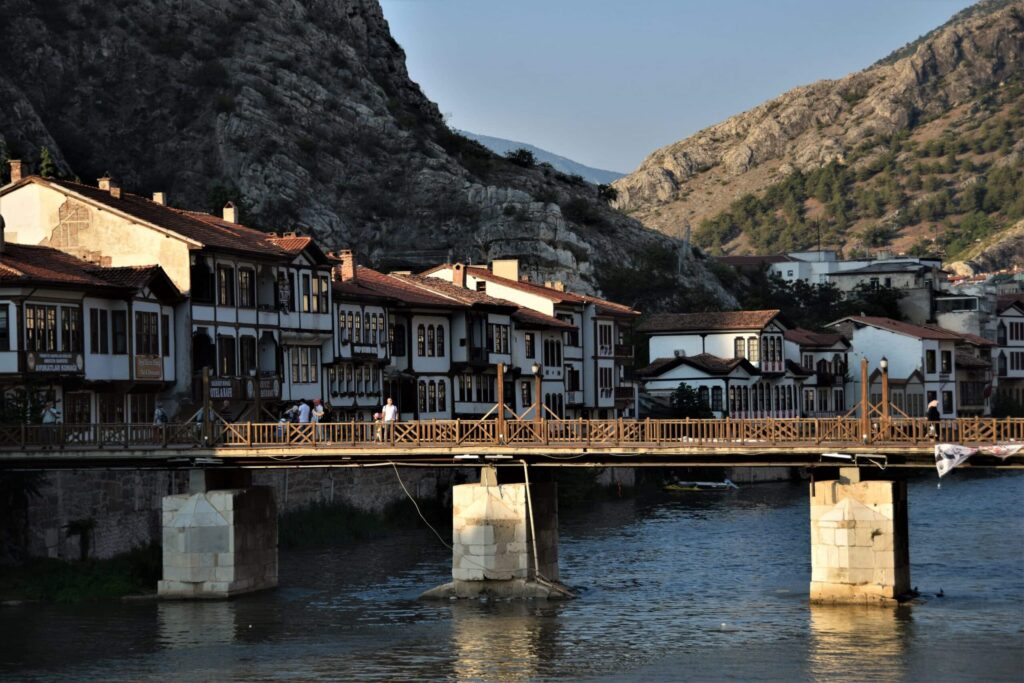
124 506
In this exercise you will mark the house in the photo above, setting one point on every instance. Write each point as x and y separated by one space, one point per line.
907 348
916 280
724 385
98 340
590 355
768 388
822 359
1008 355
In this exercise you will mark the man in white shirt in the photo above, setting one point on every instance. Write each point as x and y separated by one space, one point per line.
303 413
390 412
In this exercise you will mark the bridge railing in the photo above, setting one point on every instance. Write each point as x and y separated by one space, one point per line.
827 432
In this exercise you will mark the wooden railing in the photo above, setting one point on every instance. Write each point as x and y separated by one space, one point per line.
824 432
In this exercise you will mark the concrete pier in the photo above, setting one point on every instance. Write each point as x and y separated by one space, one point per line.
493 541
218 543
860 550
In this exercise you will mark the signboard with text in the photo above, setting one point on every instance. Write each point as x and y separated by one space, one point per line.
53 361
149 367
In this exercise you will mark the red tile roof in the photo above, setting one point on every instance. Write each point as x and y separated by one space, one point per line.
907 329
201 228
402 291
706 362
470 297
127 276
712 321
799 335
603 306
528 316
33 264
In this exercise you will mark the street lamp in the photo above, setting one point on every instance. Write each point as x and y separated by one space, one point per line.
536 368
884 365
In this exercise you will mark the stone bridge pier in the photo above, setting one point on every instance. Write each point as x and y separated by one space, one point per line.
220 538
860 548
504 541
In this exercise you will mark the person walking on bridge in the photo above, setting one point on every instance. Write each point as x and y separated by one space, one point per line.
933 419
390 413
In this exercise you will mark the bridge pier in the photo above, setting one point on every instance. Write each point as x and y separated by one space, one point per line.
504 541
220 538
860 551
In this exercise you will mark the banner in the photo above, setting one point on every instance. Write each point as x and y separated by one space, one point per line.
949 456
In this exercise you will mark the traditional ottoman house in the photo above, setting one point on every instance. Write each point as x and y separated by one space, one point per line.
723 384
822 358
1008 355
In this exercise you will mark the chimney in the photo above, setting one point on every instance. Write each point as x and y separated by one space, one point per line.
160 198
558 286
348 265
506 268
15 170
459 275
115 190
104 182
230 213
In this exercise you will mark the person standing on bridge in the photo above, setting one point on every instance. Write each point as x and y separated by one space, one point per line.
390 412
318 417
304 412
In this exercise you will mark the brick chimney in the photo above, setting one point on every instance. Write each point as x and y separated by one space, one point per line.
459 275
230 212
15 170
506 268
160 198
115 190
347 268
104 182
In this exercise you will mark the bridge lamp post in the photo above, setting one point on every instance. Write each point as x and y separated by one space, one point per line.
536 368
884 365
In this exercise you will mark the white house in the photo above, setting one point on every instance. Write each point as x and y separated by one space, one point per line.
823 358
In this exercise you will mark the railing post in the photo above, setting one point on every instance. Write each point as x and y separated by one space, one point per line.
163 435
618 432
248 434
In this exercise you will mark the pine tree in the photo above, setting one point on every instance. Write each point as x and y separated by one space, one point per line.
47 168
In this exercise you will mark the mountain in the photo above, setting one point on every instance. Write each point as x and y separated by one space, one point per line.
559 163
921 152
303 114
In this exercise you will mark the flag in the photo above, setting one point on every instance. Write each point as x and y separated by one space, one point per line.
949 456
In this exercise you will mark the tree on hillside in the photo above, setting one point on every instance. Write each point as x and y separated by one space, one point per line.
521 157
686 402
47 168
607 193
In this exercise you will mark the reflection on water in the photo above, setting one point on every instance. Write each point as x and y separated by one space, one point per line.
866 642
693 586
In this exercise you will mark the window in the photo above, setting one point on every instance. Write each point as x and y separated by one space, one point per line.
165 334
110 408
421 398
809 401
947 361
929 362
119 331
432 396
704 395
357 328
524 389
292 305
1017 331
947 402
247 353
225 285
202 289
739 348
77 408
324 291
465 388
306 303
246 288
430 340
141 408
71 330
147 336
529 340
382 327
40 328
572 378
572 337
716 399
366 328
808 361
604 339
440 340
497 338
5 328
604 381
753 350
306 365
421 340
398 348
99 331
552 353
226 356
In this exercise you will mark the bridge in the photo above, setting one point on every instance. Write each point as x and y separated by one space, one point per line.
220 538
769 442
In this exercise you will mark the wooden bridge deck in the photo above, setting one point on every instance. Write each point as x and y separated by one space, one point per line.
886 442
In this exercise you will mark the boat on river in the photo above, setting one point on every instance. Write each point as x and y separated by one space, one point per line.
677 486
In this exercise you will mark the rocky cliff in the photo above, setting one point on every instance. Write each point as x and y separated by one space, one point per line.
302 112
835 158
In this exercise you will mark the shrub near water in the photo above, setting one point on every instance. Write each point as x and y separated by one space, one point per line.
134 572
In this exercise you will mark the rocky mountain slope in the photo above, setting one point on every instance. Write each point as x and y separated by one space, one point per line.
559 163
302 112
920 152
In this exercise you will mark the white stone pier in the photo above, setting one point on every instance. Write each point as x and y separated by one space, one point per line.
218 543
493 542
860 550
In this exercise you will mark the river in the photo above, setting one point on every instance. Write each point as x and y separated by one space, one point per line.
694 586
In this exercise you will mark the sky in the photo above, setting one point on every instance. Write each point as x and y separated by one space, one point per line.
605 83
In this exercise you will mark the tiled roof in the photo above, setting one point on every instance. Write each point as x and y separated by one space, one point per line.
908 329
528 316
972 339
603 306
354 289
698 322
799 335
706 362
32 264
470 297
795 368
401 291
204 229
127 276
